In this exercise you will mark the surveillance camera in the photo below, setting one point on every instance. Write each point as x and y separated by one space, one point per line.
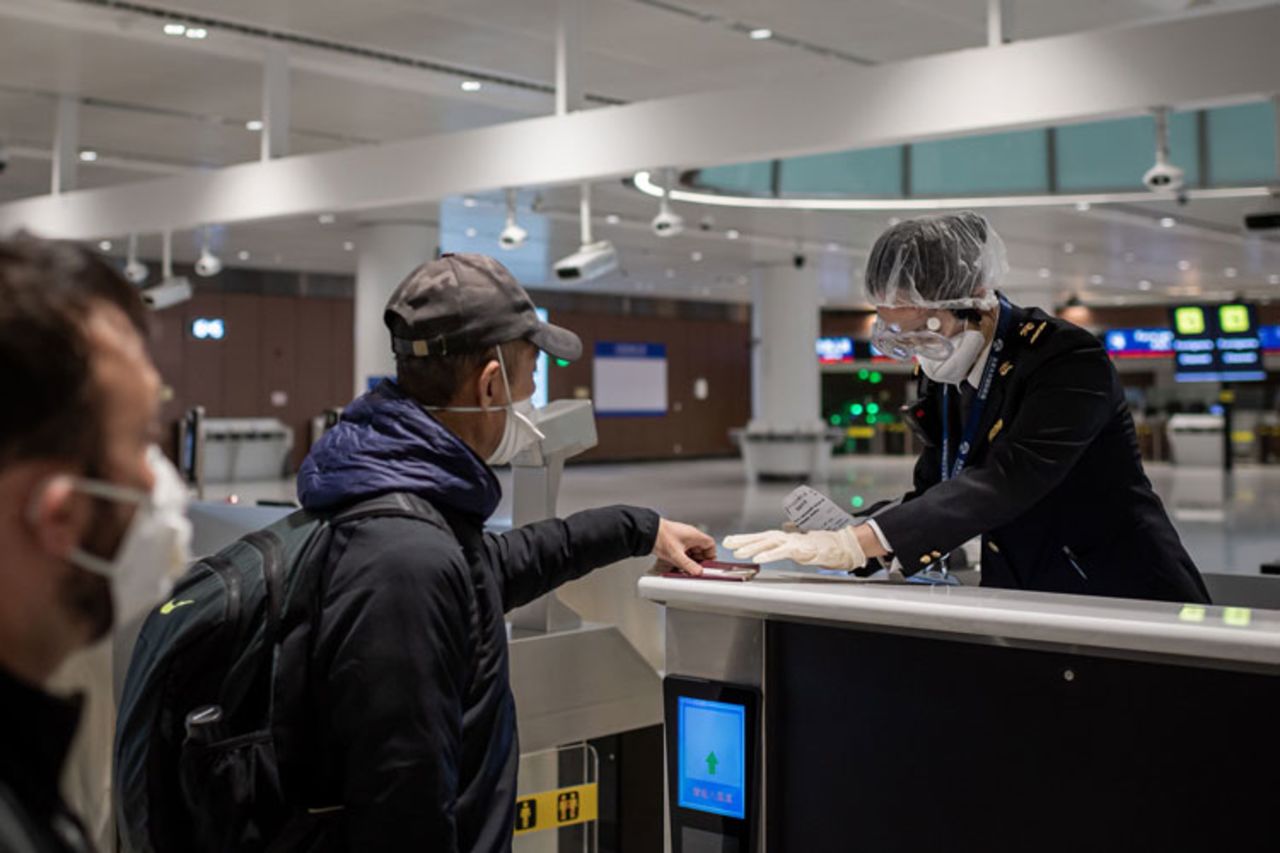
208 264
4 158
798 261
512 237
135 271
589 262
1163 176
168 293
667 223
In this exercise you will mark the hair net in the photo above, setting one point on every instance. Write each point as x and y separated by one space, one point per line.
949 261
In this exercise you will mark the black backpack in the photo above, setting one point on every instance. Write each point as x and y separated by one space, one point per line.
196 760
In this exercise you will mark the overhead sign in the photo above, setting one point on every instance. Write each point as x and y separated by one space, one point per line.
555 809
1217 343
1139 343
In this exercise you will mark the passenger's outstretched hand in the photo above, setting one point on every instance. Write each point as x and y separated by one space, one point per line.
682 547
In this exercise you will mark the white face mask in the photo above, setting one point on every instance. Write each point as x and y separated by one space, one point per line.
965 349
518 433
156 547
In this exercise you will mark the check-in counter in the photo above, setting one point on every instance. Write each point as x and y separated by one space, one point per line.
904 717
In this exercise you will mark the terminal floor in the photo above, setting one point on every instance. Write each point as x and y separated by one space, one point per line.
1228 522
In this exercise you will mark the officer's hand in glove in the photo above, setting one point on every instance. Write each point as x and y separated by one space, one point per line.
837 549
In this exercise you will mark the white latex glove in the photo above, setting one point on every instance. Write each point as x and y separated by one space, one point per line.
832 549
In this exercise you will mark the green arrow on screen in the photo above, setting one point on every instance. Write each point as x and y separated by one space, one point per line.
712 761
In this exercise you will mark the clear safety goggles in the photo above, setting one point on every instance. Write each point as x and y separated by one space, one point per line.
906 344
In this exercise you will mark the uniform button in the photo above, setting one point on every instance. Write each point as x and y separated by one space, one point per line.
926 559
937 553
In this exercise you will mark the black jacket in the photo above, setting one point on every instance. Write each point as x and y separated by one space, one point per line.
410 722
1054 483
37 730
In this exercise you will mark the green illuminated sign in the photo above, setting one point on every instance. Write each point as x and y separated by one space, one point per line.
1233 318
1189 320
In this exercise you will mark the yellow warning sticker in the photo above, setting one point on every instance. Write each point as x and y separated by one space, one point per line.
554 809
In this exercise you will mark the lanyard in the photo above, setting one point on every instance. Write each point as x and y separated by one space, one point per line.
979 402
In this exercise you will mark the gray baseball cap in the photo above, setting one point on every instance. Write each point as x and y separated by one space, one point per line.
467 302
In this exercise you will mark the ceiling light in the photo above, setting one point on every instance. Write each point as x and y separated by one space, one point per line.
1273 279
732 234
1096 279
348 246
1230 272
88 155
243 254
1082 206
254 124
1128 257
471 232
1044 272
1144 285
1069 248
104 245
468 201
894 220
695 256
743 280
1184 265
471 85
197 33
327 218
761 33
833 247
670 273
174 29
613 219
1167 222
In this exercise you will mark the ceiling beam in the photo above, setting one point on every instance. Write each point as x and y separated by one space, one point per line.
1031 83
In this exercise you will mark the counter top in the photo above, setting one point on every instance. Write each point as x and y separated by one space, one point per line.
1207 633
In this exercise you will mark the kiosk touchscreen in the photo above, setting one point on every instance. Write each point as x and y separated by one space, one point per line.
713 748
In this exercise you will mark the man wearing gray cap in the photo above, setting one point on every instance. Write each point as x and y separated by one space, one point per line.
409 714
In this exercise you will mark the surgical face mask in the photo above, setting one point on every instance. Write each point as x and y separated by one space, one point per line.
518 433
156 546
953 368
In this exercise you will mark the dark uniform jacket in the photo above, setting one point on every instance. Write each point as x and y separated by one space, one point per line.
1054 483
37 732
413 725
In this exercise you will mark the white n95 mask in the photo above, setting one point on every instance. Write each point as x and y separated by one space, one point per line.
951 370
156 547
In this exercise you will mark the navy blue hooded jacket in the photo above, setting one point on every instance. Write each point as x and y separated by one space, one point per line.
409 709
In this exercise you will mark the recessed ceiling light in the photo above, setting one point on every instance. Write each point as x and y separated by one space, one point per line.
1082 206
1128 257
327 218
104 245
1273 279
243 254
1168 222
197 33
1068 247
670 273
1144 285
894 220
742 280
613 219
471 232
1096 279
174 29
705 291
1231 272
732 234
1184 265
88 155
468 201
831 247
1044 272
695 256
761 33
254 124
471 85
348 246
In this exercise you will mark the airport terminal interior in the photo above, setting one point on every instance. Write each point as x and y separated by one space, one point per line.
697 188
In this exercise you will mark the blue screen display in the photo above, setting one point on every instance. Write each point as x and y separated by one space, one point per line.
712 747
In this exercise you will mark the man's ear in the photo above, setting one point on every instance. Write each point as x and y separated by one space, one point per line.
489 388
57 515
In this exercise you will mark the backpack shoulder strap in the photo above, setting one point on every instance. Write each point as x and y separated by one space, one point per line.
392 505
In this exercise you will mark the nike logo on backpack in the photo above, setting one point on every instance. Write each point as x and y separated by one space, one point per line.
170 606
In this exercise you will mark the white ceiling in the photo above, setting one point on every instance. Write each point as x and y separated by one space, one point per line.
173 101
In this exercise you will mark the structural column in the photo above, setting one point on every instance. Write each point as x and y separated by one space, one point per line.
388 252
786 436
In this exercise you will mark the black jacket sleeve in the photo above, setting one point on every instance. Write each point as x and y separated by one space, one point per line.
1067 403
398 639
532 560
